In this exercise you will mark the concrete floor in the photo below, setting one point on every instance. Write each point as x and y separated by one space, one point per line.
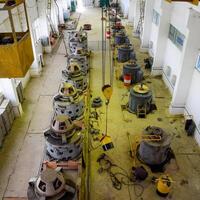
22 151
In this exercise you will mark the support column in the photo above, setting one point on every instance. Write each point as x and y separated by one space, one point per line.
8 89
187 63
36 67
33 14
42 7
125 7
136 11
163 31
130 11
145 38
61 12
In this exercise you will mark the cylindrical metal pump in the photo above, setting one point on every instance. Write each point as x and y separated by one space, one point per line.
134 71
121 38
140 97
117 28
154 147
126 53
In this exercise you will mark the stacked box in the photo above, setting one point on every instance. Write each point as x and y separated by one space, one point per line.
5 119
7 106
1 98
7 114
2 131
19 89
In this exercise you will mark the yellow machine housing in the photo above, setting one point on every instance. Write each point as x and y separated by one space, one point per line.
164 185
16 57
195 2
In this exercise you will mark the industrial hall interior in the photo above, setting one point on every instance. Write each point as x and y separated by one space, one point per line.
99 100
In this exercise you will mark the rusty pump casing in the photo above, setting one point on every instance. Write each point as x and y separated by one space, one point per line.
140 97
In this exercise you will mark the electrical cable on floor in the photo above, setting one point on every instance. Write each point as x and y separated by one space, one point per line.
107 166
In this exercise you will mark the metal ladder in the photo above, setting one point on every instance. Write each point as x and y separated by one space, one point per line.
49 17
141 111
139 28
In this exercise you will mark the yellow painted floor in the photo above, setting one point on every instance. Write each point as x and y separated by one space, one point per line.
23 147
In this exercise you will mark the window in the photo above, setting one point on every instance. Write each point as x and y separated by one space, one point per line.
156 17
176 37
198 63
172 32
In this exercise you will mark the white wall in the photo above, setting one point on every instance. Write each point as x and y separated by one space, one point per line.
183 62
186 91
193 101
5 23
172 59
147 24
125 7
131 11
160 42
87 3
26 79
179 18
136 11
154 29
153 39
